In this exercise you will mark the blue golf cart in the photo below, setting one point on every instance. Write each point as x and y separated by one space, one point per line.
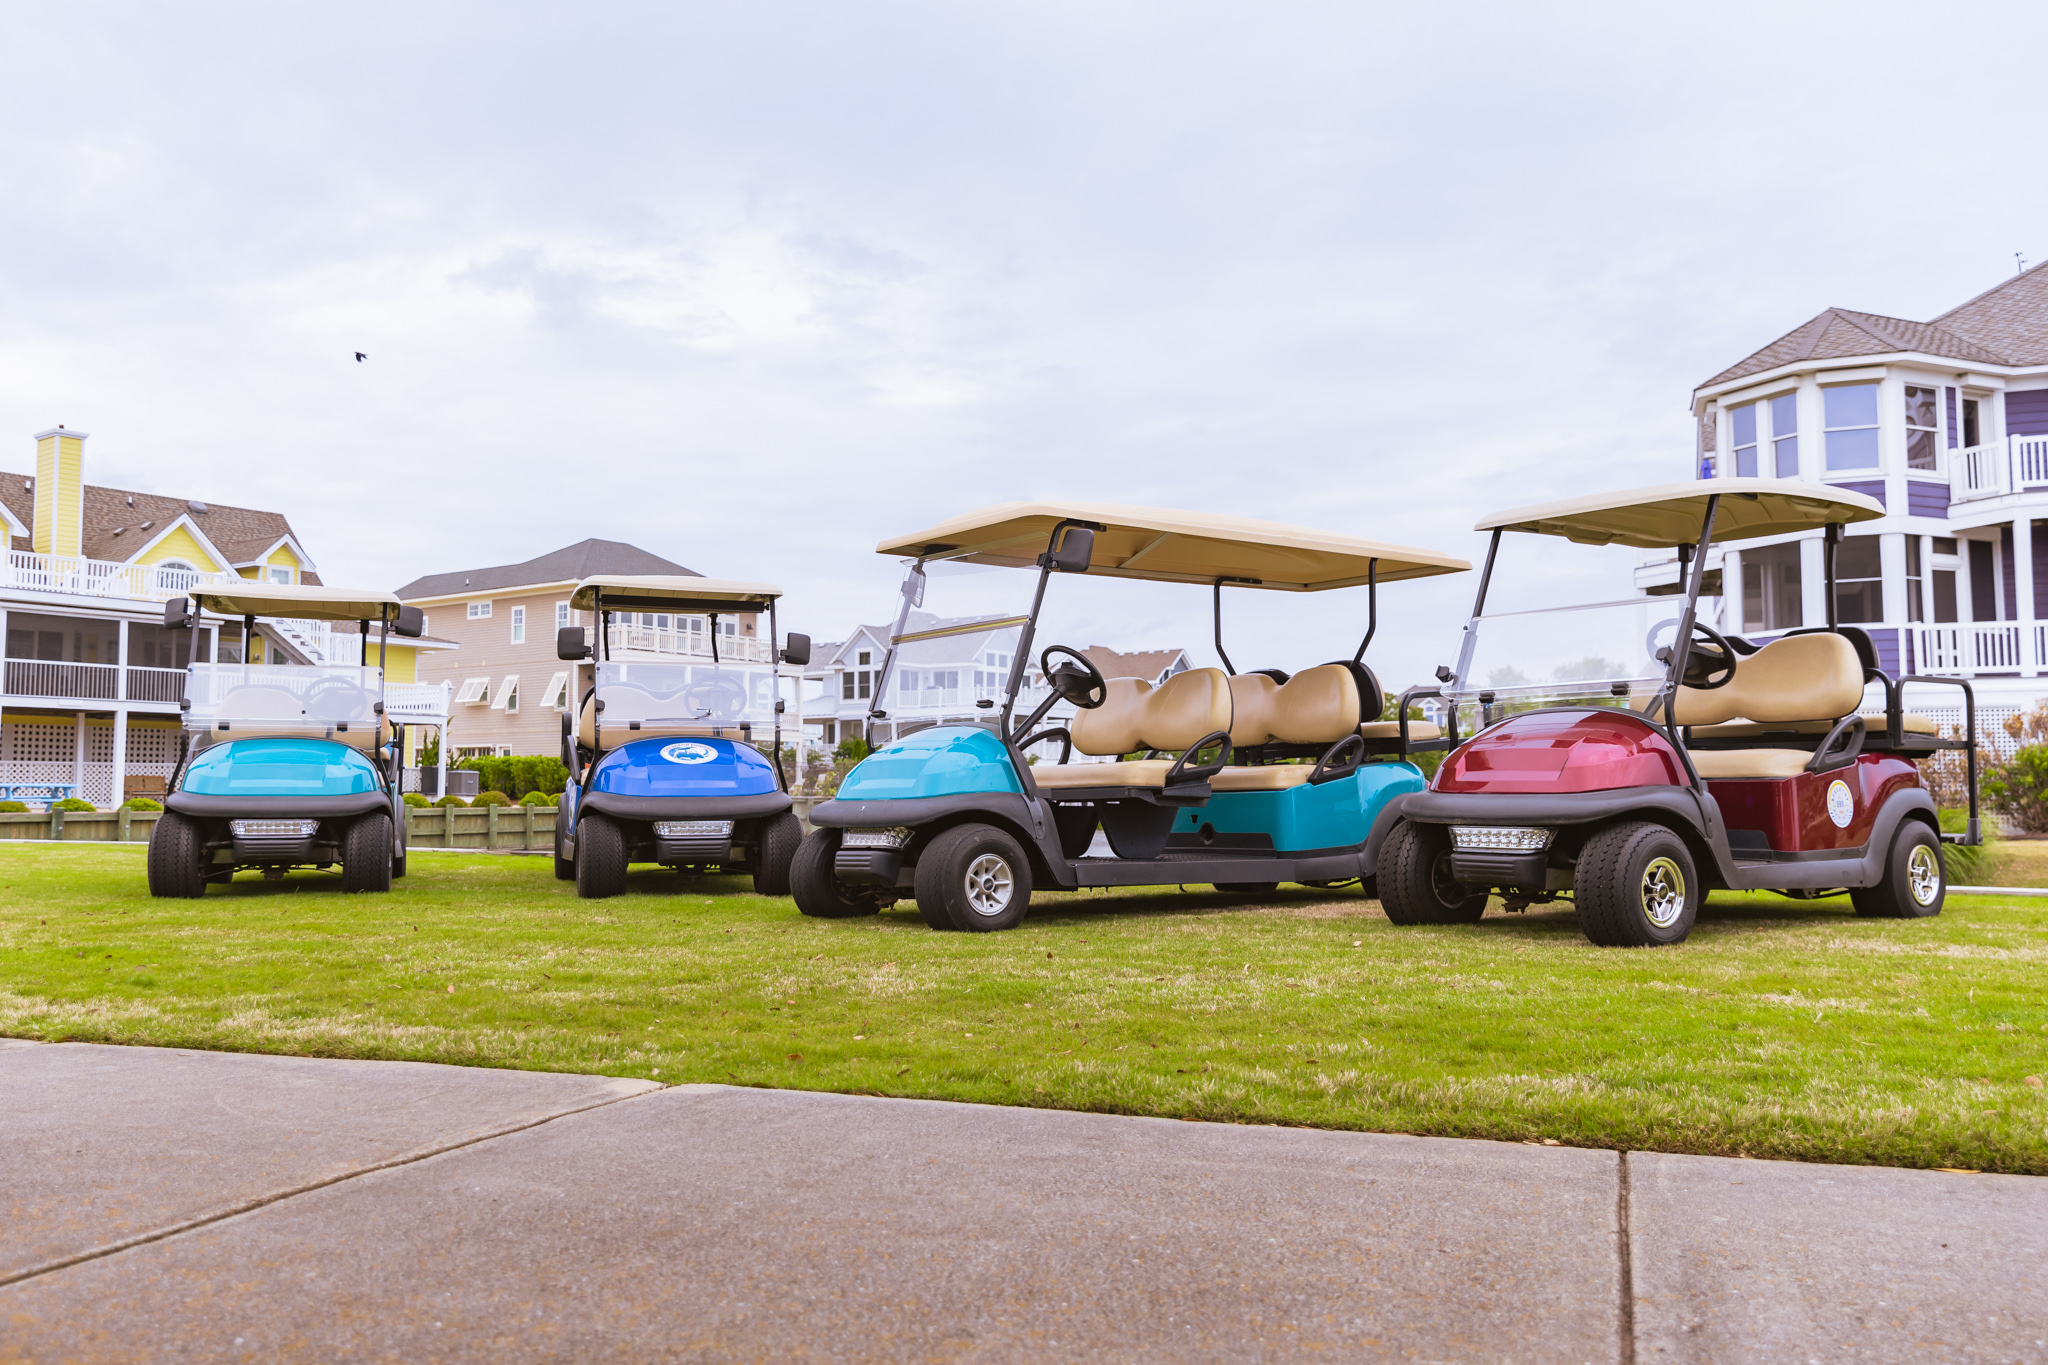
284 766
1239 780
663 751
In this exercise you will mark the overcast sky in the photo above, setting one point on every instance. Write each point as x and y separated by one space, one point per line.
754 286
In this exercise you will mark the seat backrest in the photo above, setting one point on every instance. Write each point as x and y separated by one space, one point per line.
260 703
632 713
1316 706
1799 677
1136 715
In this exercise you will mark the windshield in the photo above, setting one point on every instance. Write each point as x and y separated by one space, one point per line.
1601 653
671 694
297 696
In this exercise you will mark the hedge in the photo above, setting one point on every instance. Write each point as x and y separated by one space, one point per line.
519 774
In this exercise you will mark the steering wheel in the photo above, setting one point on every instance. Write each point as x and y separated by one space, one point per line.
1084 686
333 701
1709 663
722 697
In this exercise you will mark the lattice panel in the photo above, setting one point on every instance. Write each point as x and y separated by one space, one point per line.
34 751
31 751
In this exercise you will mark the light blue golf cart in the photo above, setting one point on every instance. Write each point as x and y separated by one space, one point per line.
284 766
1239 780
664 751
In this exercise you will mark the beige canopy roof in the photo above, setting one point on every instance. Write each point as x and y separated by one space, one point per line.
1670 514
1173 546
671 592
300 603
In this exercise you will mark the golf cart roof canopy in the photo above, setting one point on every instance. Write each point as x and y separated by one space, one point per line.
1172 546
671 592
1671 514
301 603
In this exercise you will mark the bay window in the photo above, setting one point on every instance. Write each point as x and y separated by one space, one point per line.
1914 610
1785 434
1921 425
1742 426
1849 412
1859 581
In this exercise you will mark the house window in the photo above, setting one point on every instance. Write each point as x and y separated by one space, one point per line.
1970 428
846 686
281 575
1914 610
473 691
561 615
1785 434
519 625
1850 411
1743 424
1921 426
508 695
556 697
1859 581
479 610
864 657
864 679
1770 588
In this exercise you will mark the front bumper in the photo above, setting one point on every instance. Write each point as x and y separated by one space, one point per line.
868 866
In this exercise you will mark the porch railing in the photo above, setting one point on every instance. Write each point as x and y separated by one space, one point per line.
27 571
688 644
2007 466
1981 647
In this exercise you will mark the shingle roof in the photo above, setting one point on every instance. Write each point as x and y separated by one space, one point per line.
1839 332
566 565
118 522
1145 663
2010 318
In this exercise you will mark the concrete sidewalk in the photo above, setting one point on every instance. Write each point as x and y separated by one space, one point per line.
168 1205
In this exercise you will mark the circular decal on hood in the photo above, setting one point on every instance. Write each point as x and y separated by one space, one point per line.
1841 805
690 751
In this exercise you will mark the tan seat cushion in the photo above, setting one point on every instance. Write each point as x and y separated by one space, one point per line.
1913 723
1136 715
1801 677
1726 763
1271 777
1141 772
1391 729
1316 706
624 712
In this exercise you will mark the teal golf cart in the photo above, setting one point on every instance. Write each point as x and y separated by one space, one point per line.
1243 780
284 766
664 749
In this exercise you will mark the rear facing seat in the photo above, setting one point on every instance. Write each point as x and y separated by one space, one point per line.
632 713
1134 715
1316 706
1801 683
262 712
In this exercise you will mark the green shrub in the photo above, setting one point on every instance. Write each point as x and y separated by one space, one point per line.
415 799
519 774
1966 865
536 799
141 803
2018 788
853 749
451 801
73 803
491 799
13 807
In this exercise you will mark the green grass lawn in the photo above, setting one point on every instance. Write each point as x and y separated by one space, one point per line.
1782 1029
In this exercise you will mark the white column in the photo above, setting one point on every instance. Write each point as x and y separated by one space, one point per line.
1966 608
2023 589
78 756
120 776
1731 591
1813 597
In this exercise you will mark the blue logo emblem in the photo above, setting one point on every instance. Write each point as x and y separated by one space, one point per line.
689 751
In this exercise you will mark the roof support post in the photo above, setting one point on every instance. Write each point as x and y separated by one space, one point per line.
1372 607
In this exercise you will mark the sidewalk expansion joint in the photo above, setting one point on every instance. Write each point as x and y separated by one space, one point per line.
251 1205
1628 1278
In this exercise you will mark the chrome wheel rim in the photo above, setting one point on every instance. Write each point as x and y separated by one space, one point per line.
989 885
1663 892
1923 874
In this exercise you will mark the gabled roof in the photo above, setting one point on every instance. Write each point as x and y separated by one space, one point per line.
1836 333
570 564
2011 318
118 522
824 656
1145 663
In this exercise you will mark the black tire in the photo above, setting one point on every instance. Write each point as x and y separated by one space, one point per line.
820 894
398 858
600 857
1247 888
975 878
176 847
1415 882
1900 895
366 853
565 870
777 845
1636 887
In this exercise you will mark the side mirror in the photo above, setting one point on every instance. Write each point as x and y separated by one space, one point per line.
178 613
569 643
1075 551
796 649
411 623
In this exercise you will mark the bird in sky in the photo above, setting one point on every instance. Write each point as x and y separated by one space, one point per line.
360 357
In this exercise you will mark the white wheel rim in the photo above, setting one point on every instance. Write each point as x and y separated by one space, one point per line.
989 885
1923 874
1663 892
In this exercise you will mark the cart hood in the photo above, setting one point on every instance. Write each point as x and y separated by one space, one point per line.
684 767
1563 751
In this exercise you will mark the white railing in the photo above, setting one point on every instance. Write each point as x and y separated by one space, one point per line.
1982 647
92 682
2029 460
27 571
1978 472
156 684
744 649
418 703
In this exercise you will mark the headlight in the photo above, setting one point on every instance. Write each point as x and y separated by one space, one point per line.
693 829
272 829
875 838
1501 838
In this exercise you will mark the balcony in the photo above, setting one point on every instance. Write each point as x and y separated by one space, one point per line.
667 642
1981 647
27 571
2016 464
47 679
